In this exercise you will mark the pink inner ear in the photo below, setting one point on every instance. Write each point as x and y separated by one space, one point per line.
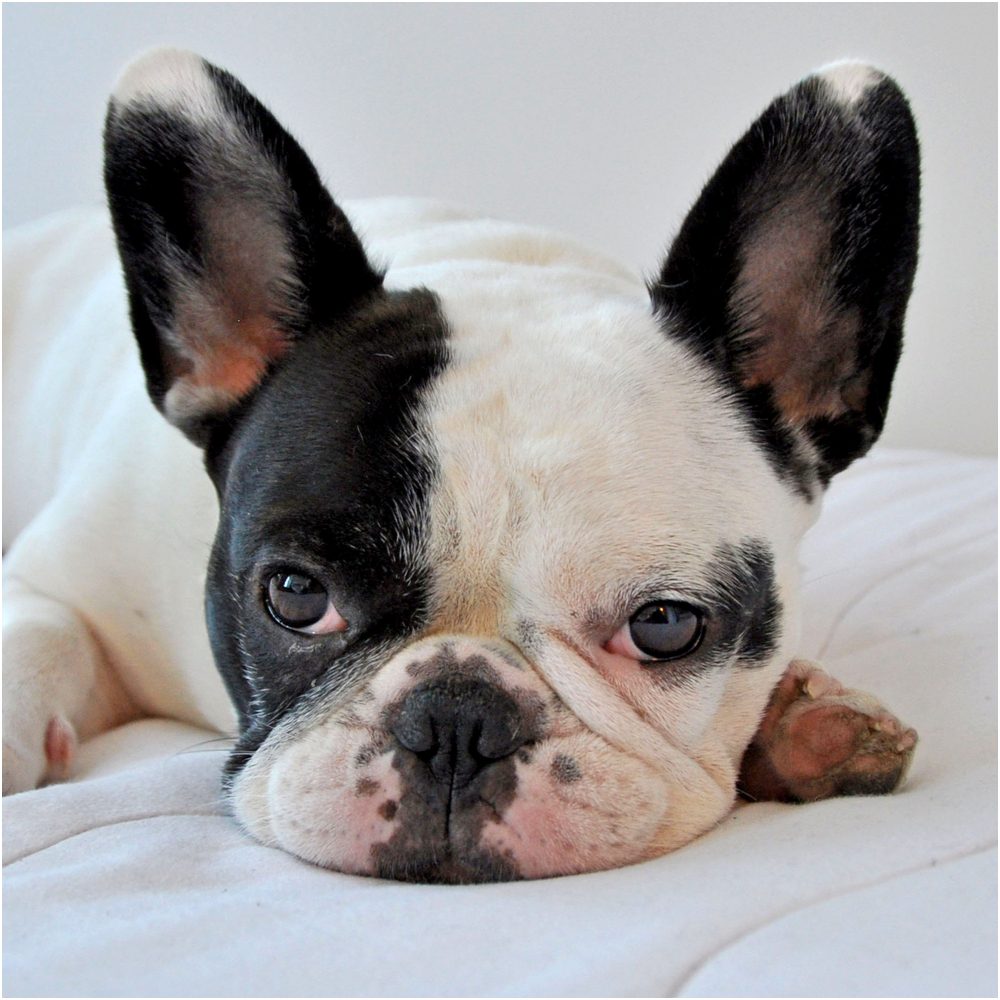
801 344
233 365
226 332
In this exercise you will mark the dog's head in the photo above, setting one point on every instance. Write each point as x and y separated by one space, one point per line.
506 565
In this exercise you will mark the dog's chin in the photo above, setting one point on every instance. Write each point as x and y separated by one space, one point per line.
568 805
531 842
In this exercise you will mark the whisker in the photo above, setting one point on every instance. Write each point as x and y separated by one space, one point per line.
214 739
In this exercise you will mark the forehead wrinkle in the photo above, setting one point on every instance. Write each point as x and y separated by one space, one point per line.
576 448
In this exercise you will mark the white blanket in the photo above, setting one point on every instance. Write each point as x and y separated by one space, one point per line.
132 880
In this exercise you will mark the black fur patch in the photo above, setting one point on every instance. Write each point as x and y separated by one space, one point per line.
326 474
742 613
565 769
747 605
150 177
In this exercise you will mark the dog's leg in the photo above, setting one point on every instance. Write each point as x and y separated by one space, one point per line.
819 739
57 688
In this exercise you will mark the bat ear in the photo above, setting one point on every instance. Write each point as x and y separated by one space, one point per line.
792 272
232 248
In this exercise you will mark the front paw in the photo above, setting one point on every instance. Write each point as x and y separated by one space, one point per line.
33 755
819 739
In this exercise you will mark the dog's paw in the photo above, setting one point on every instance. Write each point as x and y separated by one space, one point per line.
819 739
31 759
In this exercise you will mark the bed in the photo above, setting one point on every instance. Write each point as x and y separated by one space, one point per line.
131 880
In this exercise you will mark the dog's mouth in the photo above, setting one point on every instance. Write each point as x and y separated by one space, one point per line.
440 862
449 870
444 809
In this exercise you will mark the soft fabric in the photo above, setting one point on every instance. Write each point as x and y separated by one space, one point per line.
132 880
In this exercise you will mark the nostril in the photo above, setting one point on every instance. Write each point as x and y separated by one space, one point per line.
415 731
499 736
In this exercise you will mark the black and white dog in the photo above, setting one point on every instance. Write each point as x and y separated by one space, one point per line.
504 582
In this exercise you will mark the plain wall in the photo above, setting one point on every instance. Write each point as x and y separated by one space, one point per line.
600 120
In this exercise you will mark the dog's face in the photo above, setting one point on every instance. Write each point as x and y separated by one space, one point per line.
506 565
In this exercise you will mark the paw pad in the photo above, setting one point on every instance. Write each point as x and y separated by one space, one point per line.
819 739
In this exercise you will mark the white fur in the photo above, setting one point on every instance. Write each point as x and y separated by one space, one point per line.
578 450
848 80
172 78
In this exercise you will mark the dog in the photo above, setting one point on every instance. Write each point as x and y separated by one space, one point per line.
504 578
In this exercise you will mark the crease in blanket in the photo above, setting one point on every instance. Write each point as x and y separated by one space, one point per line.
123 821
677 988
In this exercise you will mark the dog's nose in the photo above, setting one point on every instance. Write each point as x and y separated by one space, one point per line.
459 726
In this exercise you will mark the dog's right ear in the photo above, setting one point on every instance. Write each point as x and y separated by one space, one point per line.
231 246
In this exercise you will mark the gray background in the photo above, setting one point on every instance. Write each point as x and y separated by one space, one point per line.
600 120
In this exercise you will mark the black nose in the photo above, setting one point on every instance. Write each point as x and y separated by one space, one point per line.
459 726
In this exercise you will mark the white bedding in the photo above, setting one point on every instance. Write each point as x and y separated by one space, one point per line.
131 880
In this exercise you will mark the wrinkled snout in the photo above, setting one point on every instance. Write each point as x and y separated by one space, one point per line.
453 762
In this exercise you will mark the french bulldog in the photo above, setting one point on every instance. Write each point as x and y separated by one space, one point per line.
504 579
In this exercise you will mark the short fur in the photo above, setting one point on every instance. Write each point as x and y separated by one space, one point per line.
489 458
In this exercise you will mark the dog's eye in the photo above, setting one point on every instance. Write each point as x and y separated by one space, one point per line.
662 630
299 602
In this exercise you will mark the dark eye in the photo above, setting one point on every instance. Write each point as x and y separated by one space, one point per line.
300 602
662 630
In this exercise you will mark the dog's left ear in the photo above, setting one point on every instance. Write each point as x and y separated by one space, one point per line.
792 272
